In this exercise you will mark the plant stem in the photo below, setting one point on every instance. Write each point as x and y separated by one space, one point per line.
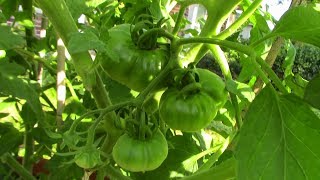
36 58
179 19
28 138
240 21
272 75
229 44
16 166
60 17
202 50
115 174
272 55
102 111
223 63
174 56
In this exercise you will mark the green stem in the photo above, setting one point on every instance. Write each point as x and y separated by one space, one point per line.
115 174
27 9
175 49
240 21
92 129
29 148
34 57
272 75
223 63
28 138
102 111
200 50
179 19
61 19
229 44
16 166
216 156
235 104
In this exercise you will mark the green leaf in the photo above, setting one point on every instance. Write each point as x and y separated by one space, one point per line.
10 138
300 23
312 92
11 68
96 3
76 8
289 59
279 139
28 115
8 7
82 42
243 91
60 168
9 40
11 85
225 170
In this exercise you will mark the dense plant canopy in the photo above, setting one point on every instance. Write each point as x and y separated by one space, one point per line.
118 89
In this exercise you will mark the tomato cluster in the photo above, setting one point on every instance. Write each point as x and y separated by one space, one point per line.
188 104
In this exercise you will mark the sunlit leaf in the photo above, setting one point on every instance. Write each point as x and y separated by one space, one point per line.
82 42
279 139
300 23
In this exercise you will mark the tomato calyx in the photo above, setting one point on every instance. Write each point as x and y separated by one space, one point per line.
144 23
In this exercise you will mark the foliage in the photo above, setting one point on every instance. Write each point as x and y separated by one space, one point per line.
134 98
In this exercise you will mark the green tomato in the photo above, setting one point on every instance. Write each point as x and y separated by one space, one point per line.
191 112
128 64
140 155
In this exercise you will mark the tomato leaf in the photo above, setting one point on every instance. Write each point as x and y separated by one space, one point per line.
300 23
243 91
311 94
225 170
82 42
8 39
10 138
279 139
11 85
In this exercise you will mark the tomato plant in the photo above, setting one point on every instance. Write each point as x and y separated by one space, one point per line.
130 99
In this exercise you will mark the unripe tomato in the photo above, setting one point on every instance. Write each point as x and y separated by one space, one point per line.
192 111
128 64
140 155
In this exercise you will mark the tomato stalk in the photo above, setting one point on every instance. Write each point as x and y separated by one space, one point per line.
14 164
60 17
272 75
179 19
248 50
114 173
227 32
28 137
216 18
102 111
173 61
240 21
